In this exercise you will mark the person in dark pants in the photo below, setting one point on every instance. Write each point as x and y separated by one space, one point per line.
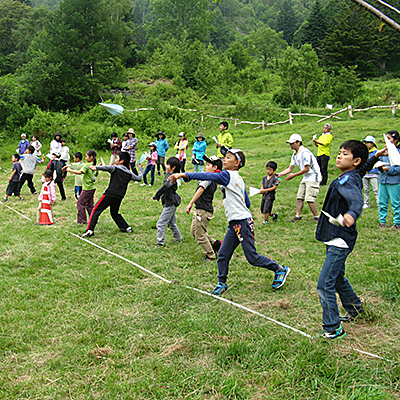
324 151
241 227
113 196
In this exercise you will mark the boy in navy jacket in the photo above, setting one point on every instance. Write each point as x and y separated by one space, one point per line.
344 197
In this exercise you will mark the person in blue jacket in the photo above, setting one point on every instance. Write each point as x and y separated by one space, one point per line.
389 186
199 150
23 144
162 148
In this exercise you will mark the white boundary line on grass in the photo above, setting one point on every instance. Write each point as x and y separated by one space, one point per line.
206 293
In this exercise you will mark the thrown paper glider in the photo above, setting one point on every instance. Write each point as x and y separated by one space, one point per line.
253 191
114 109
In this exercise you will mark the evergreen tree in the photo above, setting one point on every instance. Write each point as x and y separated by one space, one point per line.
315 28
354 40
286 21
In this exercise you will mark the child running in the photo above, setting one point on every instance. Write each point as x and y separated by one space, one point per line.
13 184
85 200
113 196
151 164
268 188
170 200
344 198
204 210
241 226
28 169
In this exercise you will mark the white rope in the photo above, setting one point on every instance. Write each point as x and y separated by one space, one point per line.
209 294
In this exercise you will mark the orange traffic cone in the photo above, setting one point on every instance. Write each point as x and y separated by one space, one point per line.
46 215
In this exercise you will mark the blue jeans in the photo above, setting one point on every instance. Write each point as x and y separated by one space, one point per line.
151 169
241 232
332 280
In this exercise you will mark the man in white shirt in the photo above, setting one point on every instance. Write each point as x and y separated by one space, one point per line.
309 185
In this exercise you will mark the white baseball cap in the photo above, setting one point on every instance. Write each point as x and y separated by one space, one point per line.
370 139
294 138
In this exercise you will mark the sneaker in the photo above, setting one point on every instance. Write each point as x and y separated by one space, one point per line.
216 246
128 230
396 227
158 245
150 184
87 234
275 217
381 225
34 192
296 218
347 318
219 289
4 200
280 277
265 223
206 259
21 198
337 333
143 184
316 218
365 206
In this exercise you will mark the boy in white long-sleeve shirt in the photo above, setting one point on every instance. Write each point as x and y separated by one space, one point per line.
241 226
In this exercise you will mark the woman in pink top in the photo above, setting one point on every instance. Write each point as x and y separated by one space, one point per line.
151 164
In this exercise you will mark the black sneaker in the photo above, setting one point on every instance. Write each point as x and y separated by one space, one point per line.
87 234
275 217
337 333
216 246
206 259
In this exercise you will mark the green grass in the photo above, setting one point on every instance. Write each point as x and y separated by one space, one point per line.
78 323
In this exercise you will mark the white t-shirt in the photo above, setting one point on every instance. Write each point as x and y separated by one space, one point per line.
304 157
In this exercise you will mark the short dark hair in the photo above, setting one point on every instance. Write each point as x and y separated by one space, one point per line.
272 164
63 141
114 134
48 173
125 157
358 149
31 149
225 124
16 155
395 135
78 154
174 162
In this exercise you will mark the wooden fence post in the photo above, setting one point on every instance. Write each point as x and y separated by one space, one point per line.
393 108
350 110
263 125
290 118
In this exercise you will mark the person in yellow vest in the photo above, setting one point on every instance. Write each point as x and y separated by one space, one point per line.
224 138
324 151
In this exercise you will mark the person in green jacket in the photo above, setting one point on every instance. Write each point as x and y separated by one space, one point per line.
224 138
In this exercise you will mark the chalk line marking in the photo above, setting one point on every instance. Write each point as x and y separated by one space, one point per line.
22 215
209 294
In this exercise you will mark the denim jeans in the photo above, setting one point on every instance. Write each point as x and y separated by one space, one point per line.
241 232
332 280
151 169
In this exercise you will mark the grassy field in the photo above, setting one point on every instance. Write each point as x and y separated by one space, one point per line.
79 323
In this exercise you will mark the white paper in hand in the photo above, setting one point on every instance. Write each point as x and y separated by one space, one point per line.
338 221
102 161
394 155
215 139
253 191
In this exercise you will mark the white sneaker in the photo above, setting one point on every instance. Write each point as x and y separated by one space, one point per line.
143 184
365 206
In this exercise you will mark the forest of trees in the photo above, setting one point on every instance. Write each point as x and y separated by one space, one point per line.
60 55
